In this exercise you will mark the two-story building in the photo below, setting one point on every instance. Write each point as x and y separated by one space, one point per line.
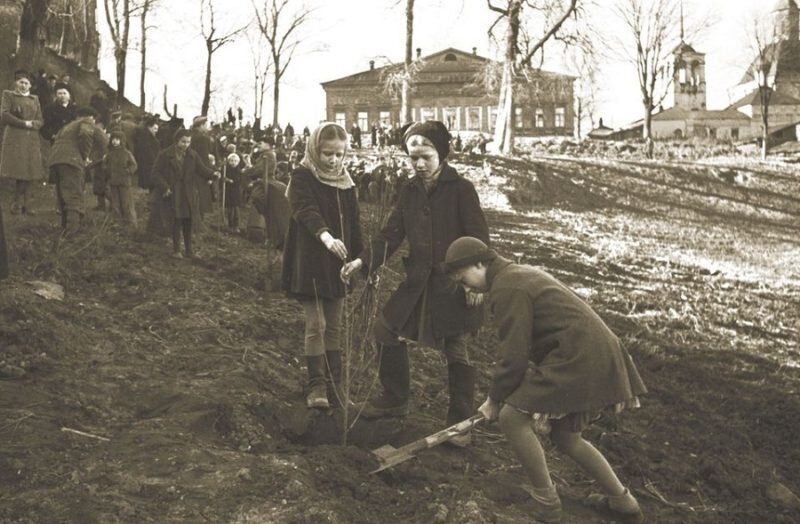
448 86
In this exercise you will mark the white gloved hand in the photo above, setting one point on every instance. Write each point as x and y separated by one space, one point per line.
334 245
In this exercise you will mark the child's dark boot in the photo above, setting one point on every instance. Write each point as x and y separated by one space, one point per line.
394 375
623 508
316 391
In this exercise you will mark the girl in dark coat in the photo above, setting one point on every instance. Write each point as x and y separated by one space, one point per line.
233 189
323 231
559 365
434 208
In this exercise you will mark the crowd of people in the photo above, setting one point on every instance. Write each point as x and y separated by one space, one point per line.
559 366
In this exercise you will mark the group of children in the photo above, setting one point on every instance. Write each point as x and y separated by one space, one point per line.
559 365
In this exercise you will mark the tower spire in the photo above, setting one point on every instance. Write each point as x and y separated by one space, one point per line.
682 21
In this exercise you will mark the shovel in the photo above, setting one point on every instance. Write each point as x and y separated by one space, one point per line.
390 456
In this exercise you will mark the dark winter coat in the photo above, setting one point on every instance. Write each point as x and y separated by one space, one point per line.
273 205
430 222
203 145
119 163
309 269
233 186
556 354
182 178
145 152
20 153
56 116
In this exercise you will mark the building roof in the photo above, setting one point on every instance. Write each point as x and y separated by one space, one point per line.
788 54
677 113
683 47
455 65
776 99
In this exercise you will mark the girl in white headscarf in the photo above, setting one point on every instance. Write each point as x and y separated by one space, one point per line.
324 232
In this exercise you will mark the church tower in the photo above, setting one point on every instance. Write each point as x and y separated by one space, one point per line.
688 75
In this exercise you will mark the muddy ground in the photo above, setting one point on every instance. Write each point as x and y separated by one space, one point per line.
185 377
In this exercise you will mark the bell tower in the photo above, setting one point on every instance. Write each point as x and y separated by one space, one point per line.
688 75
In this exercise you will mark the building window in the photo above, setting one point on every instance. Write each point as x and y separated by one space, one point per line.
735 133
518 117
428 113
474 118
386 118
340 119
492 112
450 57
560 116
539 121
450 117
363 121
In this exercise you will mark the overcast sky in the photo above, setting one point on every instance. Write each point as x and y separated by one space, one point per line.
344 35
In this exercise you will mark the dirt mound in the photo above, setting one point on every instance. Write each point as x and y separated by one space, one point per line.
163 390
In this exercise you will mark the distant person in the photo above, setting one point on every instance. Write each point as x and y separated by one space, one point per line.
559 366
120 167
177 174
203 145
77 145
146 148
58 113
20 154
233 189
288 133
99 102
324 231
355 133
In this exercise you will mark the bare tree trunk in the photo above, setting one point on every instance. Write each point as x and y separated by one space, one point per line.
647 132
276 95
207 85
143 70
121 56
504 126
764 123
405 90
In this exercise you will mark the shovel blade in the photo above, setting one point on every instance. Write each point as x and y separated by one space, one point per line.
389 456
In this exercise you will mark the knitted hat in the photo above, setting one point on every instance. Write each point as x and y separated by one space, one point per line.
433 130
465 251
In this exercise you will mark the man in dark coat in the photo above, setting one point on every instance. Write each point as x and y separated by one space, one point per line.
203 145
74 147
433 209
177 174
146 148
355 132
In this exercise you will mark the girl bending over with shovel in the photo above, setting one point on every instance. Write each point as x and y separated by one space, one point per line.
559 367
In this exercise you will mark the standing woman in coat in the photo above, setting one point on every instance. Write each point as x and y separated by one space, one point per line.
323 231
145 151
433 209
177 173
20 154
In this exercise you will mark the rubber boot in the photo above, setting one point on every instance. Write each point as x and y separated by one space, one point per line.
394 376
461 386
316 395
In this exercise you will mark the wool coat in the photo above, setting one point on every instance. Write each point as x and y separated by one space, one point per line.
145 152
309 269
20 153
182 178
556 355
427 306
77 142
56 116
273 205
119 163
203 145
